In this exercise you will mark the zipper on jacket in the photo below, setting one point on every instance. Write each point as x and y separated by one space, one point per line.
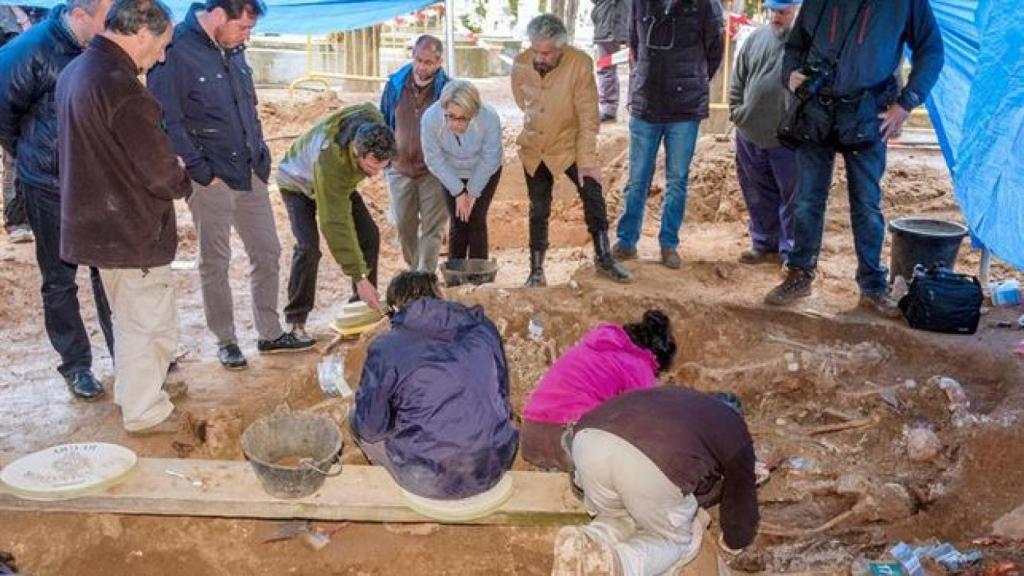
864 24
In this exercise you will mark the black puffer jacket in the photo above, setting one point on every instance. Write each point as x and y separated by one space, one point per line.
29 66
678 47
611 20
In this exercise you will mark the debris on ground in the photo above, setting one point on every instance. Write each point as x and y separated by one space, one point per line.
315 537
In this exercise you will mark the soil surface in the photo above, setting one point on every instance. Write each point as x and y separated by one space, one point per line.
868 440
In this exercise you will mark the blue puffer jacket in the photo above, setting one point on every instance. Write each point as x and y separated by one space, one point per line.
393 91
435 388
29 66
209 103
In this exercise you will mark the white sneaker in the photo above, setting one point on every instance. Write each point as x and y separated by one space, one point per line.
21 236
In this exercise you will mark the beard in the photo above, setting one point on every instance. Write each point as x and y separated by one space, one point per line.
543 69
781 32
423 80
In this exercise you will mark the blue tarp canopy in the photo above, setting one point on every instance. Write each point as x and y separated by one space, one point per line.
303 16
977 108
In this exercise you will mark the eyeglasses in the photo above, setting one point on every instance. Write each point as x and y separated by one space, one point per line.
453 118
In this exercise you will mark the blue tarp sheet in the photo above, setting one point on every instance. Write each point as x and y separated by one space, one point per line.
303 16
977 108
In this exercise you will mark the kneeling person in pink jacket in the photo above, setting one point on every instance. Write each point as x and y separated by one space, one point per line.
608 361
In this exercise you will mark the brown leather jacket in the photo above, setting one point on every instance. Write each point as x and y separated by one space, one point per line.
561 121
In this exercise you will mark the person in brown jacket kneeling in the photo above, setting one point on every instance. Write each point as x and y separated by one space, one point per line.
119 176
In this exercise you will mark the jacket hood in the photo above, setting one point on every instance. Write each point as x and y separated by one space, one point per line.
437 318
612 338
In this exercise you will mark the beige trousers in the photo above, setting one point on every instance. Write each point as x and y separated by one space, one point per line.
145 317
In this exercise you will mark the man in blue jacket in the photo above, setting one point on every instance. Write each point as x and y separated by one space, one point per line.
678 48
842 59
433 400
208 97
29 66
417 198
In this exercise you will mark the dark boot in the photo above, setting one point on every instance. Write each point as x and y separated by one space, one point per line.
536 278
797 285
606 264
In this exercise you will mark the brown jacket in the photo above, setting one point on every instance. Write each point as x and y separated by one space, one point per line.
697 441
561 120
118 171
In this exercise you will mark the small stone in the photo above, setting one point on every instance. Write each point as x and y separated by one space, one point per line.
1010 526
780 422
909 383
922 444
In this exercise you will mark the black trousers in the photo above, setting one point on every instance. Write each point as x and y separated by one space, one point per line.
61 310
306 254
540 185
469 239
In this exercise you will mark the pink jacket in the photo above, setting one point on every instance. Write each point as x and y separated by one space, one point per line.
604 364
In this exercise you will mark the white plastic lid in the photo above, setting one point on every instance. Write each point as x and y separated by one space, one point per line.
68 470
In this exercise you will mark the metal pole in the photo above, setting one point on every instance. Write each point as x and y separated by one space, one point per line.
449 34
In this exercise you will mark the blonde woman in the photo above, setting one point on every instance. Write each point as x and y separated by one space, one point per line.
461 139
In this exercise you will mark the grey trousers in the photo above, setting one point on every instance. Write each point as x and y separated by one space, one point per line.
421 215
608 80
215 210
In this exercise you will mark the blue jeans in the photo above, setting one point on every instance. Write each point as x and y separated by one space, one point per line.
644 139
864 169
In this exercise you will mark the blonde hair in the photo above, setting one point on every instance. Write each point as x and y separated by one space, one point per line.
463 94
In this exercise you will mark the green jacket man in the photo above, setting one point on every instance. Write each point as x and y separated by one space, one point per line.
318 178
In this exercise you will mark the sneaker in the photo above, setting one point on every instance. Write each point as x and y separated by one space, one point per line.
880 303
577 554
21 236
170 425
756 256
85 386
299 329
796 285
670 259
287 342
621 254
231 357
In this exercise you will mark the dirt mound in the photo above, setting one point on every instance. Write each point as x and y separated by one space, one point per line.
291 118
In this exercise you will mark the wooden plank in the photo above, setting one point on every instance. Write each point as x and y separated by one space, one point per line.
230 489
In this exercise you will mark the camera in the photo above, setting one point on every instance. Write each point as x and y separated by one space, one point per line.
819 75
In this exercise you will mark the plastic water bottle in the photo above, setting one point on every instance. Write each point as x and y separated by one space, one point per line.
1005 293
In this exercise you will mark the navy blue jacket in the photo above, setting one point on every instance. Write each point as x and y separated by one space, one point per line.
209 106
678 46
29 66
871 55
393 91
435 389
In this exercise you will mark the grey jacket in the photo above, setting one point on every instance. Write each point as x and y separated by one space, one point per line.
475 156
756 99
611 20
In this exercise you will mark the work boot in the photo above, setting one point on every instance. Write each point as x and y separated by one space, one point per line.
287 342
231 357
670 259
606 265
536 277
796 285
84 385
577 554
622 254
880 303
755 256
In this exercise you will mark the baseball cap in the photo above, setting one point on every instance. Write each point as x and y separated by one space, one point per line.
781 4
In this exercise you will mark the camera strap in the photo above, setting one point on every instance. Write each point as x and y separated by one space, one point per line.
853 25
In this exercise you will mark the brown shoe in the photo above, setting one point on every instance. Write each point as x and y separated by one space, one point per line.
175 389
880 303
670 259
797 285
755 256
621 254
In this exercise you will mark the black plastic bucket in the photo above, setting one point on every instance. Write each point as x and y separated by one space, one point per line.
477 271
924 241
311 446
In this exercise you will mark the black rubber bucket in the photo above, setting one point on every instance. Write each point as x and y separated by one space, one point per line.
469 271
292 454
924 241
